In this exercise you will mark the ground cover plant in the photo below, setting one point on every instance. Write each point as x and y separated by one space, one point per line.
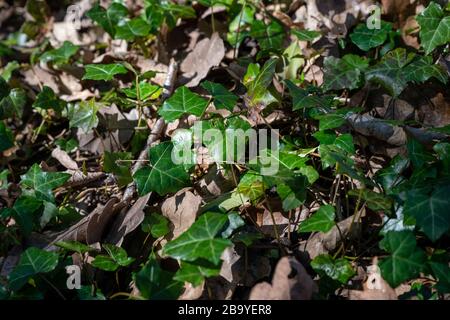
224 149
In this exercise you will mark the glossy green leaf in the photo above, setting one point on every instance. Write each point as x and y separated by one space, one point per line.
83 115
117 257
343 73
162 175
183 101
32 262
252 186
367 39
434 27
156 224
12 101
269 37
442 273
47 99
128 29
146 91
9 69
200 241
156 283
322 220
24 210
223 99
104 72
405 261
196 272
108 19
60 55
301 98
257 81
337 269
42 183
430 210
6 137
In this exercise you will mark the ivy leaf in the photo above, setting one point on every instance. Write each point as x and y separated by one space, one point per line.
199 241
104 72
430 210
367 39
442 273
322 220
130 29
343 73
306 35
162 176
196 272
9 69
301 98
339 269
223 99
252 186
406 259
181 102
389 72
60 55
42 183
422 68
374 200
12 101
83 115
108 19
258 80
155 283
3 175
156 224
23 212
6 137
146 91
117 257
112 164
434 27
47 99
33 261
269 37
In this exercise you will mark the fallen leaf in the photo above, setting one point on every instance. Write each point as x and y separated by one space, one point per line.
290 282
207 53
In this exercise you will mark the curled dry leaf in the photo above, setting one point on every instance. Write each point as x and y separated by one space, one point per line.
64 159
285 286
207 53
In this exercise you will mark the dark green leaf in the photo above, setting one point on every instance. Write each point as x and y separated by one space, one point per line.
343 73
6 137
195 272
60 55
223 99
406 259
46 99
367 39
339 269
200 240
74 246
108 19
156 224
130 29
322 220
434 27
33 261
181 102
269 37
83 115
306 35
162 176
104 72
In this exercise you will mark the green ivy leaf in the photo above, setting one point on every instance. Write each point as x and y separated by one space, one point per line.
406 259
42 183
200 241
252 186
374 200
181 102
196 272
23 212
339 269
343 73
442 273
430 210
269 37
306 35
258 80
33 261
156 224
113 164
389 72
60 55
155 283
108 19
146 91
104 72
423 68
83 115
434 27
117 257
322 220
130 29
47 99
301 98
12 101
6 137
3 175
162 176
223 99
9 69
367 39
